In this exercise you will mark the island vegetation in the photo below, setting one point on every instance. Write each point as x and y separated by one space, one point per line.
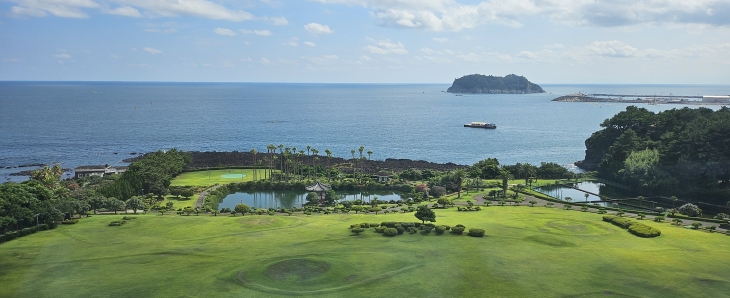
510 84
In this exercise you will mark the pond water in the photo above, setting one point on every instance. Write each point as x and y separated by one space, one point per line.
562 192
288 199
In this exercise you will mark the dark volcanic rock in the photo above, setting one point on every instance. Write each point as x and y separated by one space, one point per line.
201 160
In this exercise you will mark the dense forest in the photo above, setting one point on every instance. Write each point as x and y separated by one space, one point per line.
476 83
683 152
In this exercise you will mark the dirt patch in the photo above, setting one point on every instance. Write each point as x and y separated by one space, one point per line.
298 269
550 241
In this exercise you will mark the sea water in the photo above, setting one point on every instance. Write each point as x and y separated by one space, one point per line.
81 123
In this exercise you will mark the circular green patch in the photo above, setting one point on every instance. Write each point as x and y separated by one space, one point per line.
573 227
297 270
233 176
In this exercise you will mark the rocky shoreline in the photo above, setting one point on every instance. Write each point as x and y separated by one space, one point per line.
202 160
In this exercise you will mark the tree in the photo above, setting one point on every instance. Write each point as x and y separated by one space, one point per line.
135 204
690 210
97 202
677 221
568 199
188 210
586 196
696 225
357 208
443 202
459 176
242 208
532 203
357 231
423 213
312 198
505 175
114 204
162 210
675 199
187 193
640 199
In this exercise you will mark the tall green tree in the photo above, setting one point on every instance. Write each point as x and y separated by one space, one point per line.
423 213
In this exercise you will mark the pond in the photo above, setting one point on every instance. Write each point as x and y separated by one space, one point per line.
588 187
288 199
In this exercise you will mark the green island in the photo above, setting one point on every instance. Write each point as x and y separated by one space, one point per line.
509 84
484 230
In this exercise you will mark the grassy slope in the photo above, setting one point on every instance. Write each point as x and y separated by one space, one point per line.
529 252
200 178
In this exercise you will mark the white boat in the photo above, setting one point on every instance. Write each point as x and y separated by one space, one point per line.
481 125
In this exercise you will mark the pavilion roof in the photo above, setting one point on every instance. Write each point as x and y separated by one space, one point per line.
318 187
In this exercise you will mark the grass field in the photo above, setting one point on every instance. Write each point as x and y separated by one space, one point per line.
205 178
528 252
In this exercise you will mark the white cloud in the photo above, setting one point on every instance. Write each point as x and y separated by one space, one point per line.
309 43
365 58
527 54
554 46
62 56
169 30
316 28
152 51
440 39
279 21
613 48
265 61
256 32
197 8
59 8
292 42
224 31
427 50
324 60
126 11
386 47
450 15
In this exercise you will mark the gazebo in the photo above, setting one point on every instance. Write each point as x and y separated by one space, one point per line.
319 188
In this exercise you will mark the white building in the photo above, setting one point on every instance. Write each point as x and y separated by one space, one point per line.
98 170
716 98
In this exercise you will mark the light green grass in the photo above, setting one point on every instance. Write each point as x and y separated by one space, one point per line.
203 178
528 252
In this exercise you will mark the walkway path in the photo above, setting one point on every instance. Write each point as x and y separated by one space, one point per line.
201 198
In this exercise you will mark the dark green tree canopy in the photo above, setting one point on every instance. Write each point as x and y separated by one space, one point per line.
476 83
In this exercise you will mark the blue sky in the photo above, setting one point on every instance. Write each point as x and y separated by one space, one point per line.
387 41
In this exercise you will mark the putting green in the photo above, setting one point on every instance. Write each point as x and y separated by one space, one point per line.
233 176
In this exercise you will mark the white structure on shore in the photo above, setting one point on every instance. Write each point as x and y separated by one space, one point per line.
98 170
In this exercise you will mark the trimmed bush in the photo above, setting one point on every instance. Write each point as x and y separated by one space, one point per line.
390 232
440 230
357 231
70 221
129 217
476 232
636 228
43 227
643 230
364 225
381 229
400 230
374 224
460 225
457 230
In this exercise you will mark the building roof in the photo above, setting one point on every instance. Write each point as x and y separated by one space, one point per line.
92 167
318 187
383 174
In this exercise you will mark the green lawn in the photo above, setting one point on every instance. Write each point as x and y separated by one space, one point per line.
205 178
528 252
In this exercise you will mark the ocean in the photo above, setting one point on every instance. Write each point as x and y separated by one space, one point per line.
82 123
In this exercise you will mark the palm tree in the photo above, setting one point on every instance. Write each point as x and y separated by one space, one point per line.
568 199
675 199
505 175
254 152
353 162
586 195
329 158
459 176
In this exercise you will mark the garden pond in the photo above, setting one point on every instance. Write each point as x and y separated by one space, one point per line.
288 199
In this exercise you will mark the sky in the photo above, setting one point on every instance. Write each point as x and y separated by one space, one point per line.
366 41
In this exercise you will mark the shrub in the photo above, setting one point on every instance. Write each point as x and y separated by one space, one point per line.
458 230
129 217
690 210
25 232
659 218
70 221
357 231
43 227
385 224
440 230
390 232
426 231
381 229
354 226
476 232
643 230
400 230
116 223
412 230
365 225
460 225
374 224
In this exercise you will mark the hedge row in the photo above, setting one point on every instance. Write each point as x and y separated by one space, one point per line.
713 220
392 228
636 228
26 231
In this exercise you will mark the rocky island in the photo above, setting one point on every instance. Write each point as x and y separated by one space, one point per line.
481 84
